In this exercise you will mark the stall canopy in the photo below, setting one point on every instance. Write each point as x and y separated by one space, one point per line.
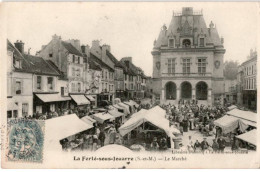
155 116
135 104
230 123
102 117
12 106
232 107
64 126
248 117
117 100
91 98
125 106
250 137
52 97
115 113
80 99
88 120
130 104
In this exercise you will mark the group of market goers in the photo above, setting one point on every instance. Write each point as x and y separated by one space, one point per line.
190 116
186 116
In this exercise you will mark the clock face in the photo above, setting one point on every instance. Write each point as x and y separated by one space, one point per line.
217 64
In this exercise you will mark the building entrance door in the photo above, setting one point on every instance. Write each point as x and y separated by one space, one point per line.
186 90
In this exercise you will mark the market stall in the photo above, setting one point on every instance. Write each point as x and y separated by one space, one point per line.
89 120
155 117
232 107
131 106
229 123
249 137
103 117
62 127
126 107
135 104
118 115
122 109
248 117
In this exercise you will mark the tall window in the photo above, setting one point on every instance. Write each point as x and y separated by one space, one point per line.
202 65
73 58
50 83
171 65
18 87
25 109
171 42
73 87
186 65
79 87
78 60
201 42
39 82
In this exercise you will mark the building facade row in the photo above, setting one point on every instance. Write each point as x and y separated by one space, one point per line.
66 76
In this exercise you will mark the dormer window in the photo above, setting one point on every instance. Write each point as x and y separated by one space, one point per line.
171 42
201 42
17 64
186 43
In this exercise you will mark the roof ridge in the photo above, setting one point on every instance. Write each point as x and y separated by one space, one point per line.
50 66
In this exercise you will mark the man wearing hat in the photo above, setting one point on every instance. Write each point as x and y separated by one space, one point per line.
204 144
154 144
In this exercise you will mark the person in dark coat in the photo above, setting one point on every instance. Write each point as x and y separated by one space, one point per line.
204 144
196 145
102 137
215 146
221 144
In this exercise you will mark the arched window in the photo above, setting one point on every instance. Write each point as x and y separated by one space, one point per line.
201 91
170 88
186 90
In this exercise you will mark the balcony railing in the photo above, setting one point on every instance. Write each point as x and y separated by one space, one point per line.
186 74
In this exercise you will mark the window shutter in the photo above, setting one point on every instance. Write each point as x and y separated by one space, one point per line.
35 83
14 87
22 88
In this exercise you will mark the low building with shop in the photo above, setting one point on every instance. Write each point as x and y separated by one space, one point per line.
19 82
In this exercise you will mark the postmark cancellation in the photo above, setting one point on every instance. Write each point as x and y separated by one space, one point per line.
25 140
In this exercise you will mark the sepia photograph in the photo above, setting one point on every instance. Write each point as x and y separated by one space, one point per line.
129 84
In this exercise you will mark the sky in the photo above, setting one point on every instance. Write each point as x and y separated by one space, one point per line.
130 28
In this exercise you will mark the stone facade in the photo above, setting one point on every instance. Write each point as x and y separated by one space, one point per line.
188 60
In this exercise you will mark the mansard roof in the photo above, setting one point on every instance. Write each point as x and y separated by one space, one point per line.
188 25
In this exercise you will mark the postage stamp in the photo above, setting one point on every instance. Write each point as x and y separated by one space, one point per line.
25 140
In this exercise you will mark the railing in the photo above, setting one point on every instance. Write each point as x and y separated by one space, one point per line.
185 74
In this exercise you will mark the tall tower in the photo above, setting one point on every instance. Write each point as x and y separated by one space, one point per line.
188 60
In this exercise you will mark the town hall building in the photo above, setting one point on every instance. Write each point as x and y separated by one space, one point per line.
188 60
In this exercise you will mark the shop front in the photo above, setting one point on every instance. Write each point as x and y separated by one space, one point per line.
80 104
50 103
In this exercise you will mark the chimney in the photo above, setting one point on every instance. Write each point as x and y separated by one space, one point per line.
20 46
85 50
187 11
56 37
95 43
127 63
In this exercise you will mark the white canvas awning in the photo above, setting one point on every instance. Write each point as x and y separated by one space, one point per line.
65 126
90 98
116 113
246 115
229 123
88 120
232 107
80 99
250 137
124 106
130 104
52 97
135 104
102 117
155 116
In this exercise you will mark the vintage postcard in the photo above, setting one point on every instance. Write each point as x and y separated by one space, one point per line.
129 84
